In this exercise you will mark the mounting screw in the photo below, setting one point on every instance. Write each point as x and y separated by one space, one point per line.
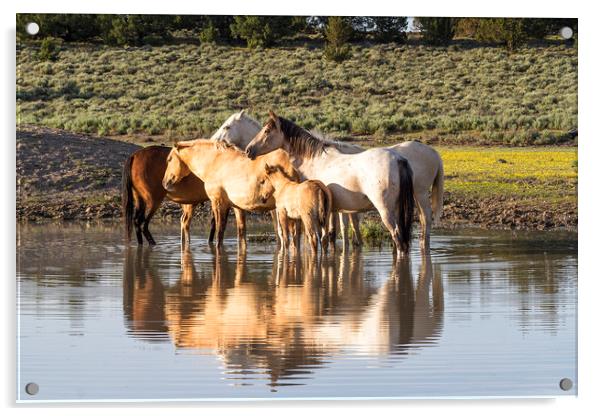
566 384
566 32
32 389
32 28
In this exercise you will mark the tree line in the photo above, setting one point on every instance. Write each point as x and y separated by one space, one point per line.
266 31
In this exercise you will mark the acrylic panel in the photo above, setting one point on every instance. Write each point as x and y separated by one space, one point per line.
295 207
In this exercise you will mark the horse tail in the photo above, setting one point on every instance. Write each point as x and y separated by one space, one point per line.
437 193
127 197
406 202
325 205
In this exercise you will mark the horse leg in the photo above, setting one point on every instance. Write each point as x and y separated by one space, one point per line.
389 217
145 230
221 219
426 217
276 225
296 233
185 220
344 219
138 221
138 217
278 228
284 224
212 230
241 227
333 228
310 229
355 225
324 241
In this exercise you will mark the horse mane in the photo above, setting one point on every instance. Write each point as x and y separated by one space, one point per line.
226 145
309 144
189 143
271 169
339 145
302 143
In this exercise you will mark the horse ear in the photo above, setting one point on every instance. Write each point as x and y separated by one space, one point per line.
275 118
242 112
270 169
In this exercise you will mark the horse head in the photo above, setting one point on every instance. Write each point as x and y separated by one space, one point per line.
269 138
176 169
239 129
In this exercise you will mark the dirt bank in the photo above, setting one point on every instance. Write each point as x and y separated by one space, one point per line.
64 176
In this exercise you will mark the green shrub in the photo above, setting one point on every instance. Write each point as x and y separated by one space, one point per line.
390 29
338 33
373 232
511 33
261 31
436 30
49 50
210 34
133 29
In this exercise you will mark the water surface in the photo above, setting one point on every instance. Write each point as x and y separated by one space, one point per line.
486 314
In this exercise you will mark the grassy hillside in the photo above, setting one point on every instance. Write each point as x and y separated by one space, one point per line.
460 93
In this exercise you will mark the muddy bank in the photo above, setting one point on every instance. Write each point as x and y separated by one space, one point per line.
64 176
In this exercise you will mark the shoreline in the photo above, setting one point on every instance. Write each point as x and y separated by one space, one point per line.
457 213
63 176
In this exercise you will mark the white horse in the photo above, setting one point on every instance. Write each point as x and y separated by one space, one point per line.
426 164
374 179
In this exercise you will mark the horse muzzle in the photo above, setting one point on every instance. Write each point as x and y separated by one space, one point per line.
168 185
251 154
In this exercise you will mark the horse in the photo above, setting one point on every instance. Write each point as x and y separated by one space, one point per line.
426 164
142 192
309 201
427 169
377 178
231 179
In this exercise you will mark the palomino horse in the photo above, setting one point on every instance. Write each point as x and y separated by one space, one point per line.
426 164
376 178
230 178
309 201
143 193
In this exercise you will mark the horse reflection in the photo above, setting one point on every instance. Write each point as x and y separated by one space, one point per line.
309 308
143 296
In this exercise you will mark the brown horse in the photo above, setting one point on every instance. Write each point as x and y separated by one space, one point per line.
143 193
